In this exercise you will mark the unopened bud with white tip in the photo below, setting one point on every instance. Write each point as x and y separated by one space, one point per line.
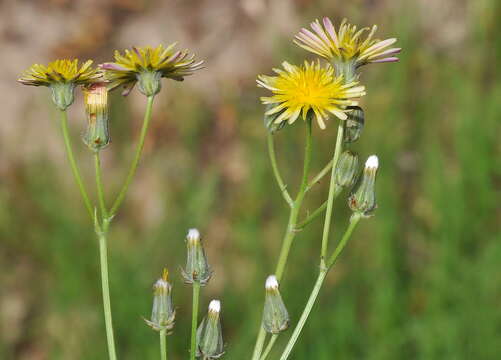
163 313
209 334
275 316
363 198
197 268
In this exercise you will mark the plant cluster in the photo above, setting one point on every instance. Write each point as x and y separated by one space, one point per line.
314 92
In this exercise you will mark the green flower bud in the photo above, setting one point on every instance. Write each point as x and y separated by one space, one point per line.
209 334
346 169
149 82
363 198
97 136
62 94
275 316
269 120
197 269
163 313
354 124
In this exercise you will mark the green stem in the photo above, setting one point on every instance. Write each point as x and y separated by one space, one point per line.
276 171
291 227
103 252
269 347
194 316
331 196
304 315
318 285
319 176
355 218
99 185
290 232
163 344
137 156
73 164
317 212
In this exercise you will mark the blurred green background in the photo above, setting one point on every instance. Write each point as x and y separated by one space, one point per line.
420 280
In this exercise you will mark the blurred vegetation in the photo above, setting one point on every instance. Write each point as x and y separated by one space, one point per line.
420 280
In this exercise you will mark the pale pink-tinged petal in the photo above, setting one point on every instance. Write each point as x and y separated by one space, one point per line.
379 45
318 29
315 39
389 59
112 66
330 29
391 51
173 57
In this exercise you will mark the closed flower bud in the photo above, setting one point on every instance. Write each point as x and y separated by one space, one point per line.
97 134
62 94
275 315
346 169
209 334
149 82
363 198
163 313
354 124
197 269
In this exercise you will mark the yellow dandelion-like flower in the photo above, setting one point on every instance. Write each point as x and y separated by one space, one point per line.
147 65
346 44
60 71
61 76
308 89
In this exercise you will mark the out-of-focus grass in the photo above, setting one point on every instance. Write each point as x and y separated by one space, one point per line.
420 280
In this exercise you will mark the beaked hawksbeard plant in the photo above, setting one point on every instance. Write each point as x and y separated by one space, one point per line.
314 91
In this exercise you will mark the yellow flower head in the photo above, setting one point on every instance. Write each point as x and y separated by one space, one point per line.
311 88
60 71
346 44
147 65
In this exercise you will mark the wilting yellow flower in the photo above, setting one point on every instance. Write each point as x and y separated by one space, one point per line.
147 65
346 44
61 76
311 88
60 71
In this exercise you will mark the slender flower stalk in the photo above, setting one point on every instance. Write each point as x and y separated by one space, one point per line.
291 230
73 163
102 231
99 186
276 171
135 162
318 285
194 320
163 344
269 347
330 198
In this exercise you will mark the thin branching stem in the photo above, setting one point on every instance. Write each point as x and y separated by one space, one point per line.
103 253
73 164
267 351
194 319
276 171
291 231
318 285
317 211
99 185
137 157
319 176
331 196
163 344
